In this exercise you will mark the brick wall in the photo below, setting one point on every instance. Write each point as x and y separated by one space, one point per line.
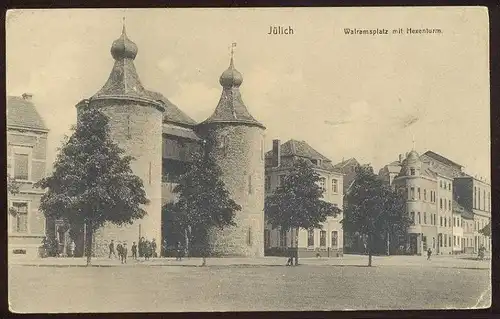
137 128
242 162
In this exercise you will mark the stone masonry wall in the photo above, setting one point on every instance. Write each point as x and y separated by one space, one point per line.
138 130
240 154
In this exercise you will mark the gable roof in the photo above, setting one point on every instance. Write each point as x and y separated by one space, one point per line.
172 113
302 149
441 158
343 164
22 113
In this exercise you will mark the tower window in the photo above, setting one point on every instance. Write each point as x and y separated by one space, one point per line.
250 188
418 191
129 136
412 190
418 216
412 171
249 239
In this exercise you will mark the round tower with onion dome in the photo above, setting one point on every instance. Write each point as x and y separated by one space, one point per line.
236 141
135 123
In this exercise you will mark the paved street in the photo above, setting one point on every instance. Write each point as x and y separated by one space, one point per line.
228 284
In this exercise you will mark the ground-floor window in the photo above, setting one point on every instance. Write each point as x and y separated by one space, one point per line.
322 238
283 238
20 218
335 236
310 238
267 238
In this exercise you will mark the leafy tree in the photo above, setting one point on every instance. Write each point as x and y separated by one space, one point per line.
486 230
373 209
203 201
297 202
12 189
92 182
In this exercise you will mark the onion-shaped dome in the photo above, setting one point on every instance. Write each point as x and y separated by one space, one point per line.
123 47
231 77
413 157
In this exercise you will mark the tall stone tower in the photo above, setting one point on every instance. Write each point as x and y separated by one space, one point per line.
236 141
135 123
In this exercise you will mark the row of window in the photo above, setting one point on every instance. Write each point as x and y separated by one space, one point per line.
418 195
322 238
444 240
445 185
419 219
322 183
477 199
443 201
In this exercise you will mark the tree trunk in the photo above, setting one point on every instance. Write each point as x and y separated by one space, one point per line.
296 248
89 243
186 239
369 244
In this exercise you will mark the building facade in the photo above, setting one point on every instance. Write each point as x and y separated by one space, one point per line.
26 164
327 241
440 201
162 139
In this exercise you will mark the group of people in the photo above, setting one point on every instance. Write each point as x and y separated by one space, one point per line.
146 249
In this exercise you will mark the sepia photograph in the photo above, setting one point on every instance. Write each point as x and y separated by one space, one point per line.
229 159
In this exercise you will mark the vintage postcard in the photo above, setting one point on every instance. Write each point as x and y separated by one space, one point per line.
280 159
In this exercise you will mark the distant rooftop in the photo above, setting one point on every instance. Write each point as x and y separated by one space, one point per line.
21 112
442 159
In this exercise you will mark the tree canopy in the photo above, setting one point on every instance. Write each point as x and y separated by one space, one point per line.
486 230
298 203
203 200
92 181
373 208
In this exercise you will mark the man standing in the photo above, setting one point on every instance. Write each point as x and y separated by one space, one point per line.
112 248
429 253
134 250
153 248
124 253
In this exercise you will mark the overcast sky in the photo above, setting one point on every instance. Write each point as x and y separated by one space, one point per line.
346 95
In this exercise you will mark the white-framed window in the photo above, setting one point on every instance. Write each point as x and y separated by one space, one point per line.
20 217
21 166
322 238
335 238
310 238
322 183
335 185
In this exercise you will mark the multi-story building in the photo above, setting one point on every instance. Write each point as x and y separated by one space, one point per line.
327 241
161 138
437 187
475 195
26 163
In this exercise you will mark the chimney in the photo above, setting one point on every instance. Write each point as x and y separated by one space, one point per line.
276 153
27 96
401 158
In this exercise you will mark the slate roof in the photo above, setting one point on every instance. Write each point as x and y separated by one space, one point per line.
172 113
231 108
23 113
441 158
457 208
182 132
303 150
342 164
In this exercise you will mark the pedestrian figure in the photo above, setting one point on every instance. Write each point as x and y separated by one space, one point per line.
134 250
153 249
72 248
178 255
429 253
57 247
112 248
119 250
124 253
147 249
